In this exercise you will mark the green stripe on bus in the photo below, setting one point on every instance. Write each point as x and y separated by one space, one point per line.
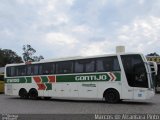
65 78
118 76
44 79
109 76
49 86
29 79
19 80
89 77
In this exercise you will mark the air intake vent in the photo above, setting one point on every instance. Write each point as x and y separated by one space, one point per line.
120 49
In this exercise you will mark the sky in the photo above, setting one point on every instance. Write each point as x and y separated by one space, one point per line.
62 28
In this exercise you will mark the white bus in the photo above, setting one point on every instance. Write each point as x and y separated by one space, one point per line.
110 77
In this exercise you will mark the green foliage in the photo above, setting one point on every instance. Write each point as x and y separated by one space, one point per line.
8 56
28 53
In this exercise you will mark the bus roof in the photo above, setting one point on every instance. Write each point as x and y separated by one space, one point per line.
71 58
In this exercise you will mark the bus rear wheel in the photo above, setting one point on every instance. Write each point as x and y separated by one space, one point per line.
33 94
23 93
111 96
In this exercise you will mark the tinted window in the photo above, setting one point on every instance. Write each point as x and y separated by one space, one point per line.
12 71
20 70
90 66
32 69
8 71
64 67
47 68
79 67
107 64
86 65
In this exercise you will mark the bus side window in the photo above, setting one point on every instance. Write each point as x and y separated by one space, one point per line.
47 68
13 71
116 66
30 70
104 65
53 68
21 70
64 67
90 66
79 67
8 71
85 65
107 64
99 65
36 69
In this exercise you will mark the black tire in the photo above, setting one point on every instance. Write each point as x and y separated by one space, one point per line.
33 94
23 93
47 98
112 96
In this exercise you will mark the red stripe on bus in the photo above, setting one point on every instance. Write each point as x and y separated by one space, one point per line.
37 79
112 77
41 86
52 79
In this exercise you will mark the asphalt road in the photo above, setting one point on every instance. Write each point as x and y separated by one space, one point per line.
15 105
11 104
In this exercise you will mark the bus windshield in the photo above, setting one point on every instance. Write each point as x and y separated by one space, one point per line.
135 70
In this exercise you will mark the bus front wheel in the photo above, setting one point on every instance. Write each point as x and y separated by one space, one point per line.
111 96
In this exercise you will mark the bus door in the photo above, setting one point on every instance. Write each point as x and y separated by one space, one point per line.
136 75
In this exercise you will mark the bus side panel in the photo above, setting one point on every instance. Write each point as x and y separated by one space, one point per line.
127 91
74 90
71 89
8 89
87 90
52 93
102 86
13 89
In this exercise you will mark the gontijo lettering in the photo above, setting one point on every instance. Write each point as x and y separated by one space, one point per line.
91 77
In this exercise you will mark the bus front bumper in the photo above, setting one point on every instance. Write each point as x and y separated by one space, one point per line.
144 94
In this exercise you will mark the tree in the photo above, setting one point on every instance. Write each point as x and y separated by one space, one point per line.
28 53
8 56
153 54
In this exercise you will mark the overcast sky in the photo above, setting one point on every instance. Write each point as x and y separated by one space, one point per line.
60 28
